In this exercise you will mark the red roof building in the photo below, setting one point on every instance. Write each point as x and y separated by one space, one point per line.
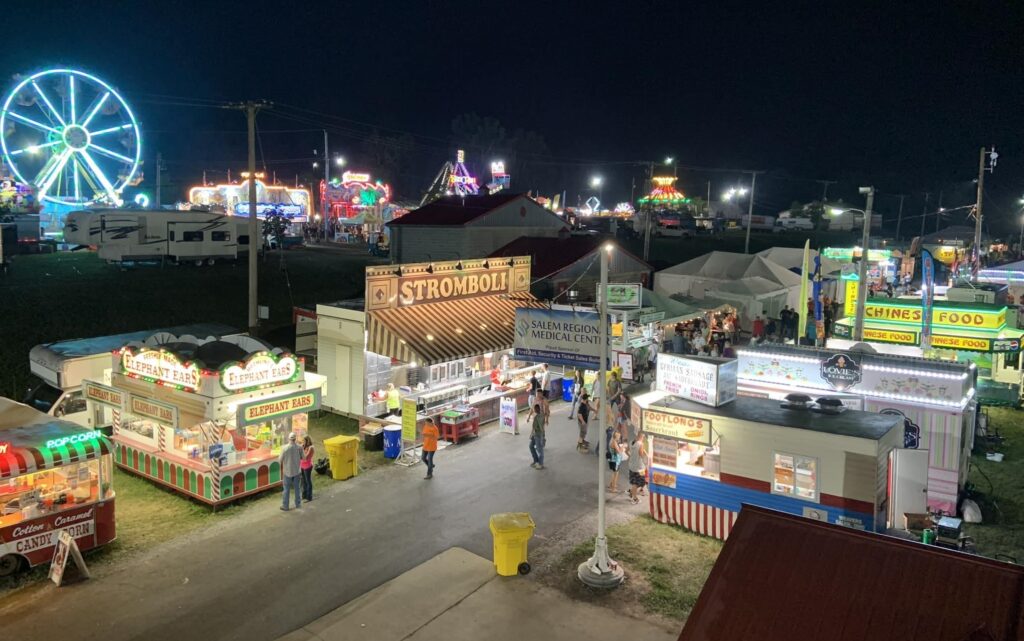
781 577
457 227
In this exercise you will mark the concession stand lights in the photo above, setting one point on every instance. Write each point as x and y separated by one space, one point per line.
440 332
206 417
54 475
935 401
965 332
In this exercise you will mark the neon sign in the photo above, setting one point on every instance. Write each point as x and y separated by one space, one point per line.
260 369
351 176
74 438
160 367
4 446
293 203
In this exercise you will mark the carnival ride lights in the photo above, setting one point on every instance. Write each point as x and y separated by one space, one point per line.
499 179
72 136
664 193
453 179
354 191
289 202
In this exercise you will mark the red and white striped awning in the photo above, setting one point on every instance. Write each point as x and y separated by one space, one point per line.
448 330
24 460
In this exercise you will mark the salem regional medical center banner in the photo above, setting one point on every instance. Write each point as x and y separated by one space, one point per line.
559 337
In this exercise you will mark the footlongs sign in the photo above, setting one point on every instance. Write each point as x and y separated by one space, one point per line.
278 408
663 422
559 337
157 366
259 370
417 283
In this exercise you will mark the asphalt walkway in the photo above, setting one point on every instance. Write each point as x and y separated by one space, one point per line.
266 573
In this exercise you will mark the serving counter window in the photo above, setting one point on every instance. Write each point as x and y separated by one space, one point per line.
684 457
140 429
796 476
34 495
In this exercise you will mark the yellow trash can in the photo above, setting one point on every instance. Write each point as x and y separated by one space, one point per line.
511 532
342 451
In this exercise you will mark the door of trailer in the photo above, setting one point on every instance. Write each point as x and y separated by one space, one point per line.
908 484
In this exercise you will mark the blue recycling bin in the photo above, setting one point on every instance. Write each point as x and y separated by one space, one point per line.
392 441
567 384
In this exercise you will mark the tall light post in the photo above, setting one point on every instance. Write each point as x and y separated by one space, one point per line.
597 182
738 193
669 160
1020 243
600 571
862 273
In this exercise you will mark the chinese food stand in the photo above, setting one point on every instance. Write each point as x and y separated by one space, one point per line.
963 332
440 332
934 399
206 417
54 475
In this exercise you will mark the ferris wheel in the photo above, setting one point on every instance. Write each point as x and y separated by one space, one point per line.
72 136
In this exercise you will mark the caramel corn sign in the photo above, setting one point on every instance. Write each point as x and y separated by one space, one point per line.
262 368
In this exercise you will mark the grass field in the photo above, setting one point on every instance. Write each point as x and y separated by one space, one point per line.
666 567
53 297
1001 490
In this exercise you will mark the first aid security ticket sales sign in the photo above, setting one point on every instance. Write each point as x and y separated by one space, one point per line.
559 337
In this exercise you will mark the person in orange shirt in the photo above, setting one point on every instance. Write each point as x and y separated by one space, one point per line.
430 436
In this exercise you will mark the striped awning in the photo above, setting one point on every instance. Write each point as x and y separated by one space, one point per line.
24 460
448 330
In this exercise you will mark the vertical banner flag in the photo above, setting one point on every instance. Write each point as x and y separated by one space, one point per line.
819 323
927 297
805 272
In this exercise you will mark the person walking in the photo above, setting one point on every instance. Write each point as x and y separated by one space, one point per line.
545 379
394 401
583 418
534 386
307 468
537 439
430 436
637 467
290 460
577 390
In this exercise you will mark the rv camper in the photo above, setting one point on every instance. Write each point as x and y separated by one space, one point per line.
129 235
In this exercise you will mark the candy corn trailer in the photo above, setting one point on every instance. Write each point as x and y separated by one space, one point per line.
54 475
935 400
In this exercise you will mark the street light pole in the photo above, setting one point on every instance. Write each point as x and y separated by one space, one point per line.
862 275
254 232
327 179
750 210
600 571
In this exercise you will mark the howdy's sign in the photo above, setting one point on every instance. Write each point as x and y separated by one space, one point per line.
413 284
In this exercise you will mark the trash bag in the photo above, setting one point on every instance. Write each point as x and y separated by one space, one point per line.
322 466
971 511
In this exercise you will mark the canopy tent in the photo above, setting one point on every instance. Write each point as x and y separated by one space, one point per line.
706 305
675 311
792 258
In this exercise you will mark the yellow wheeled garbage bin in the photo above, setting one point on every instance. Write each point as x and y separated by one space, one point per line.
511 531
342 451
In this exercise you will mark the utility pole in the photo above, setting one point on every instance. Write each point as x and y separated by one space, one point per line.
707 208
600 571
981 191
159 175
323 192
862 276
750 209
824 190
255 238
899 217
938 212
924 212
648 218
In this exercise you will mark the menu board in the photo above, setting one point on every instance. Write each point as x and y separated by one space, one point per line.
664 452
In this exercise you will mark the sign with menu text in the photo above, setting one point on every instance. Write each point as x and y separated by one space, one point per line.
665 422
102 394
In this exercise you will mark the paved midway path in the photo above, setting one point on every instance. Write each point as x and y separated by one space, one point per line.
266 573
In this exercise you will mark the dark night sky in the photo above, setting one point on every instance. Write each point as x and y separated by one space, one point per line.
899 95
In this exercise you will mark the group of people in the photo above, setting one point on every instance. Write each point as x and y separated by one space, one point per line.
296 463
714 336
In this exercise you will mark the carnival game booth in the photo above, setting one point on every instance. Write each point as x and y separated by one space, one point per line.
440 332
934 400
707 462
206 417
54 475
962 332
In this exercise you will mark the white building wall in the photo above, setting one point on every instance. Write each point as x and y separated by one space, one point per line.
341 341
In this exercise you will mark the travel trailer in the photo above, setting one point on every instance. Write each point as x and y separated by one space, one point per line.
137 234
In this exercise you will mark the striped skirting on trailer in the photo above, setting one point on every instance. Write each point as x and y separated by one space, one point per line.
702 519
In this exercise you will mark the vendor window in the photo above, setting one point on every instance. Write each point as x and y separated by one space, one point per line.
188 442
796 476
684 457
139 429
34 495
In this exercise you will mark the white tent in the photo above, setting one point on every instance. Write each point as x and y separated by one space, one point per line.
710 271
793 258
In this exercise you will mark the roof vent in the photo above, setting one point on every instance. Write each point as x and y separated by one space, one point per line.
829 405
796 402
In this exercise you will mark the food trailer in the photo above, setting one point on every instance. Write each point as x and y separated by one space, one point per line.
206 417
54 475
441 333
706 462
934 399
963 332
